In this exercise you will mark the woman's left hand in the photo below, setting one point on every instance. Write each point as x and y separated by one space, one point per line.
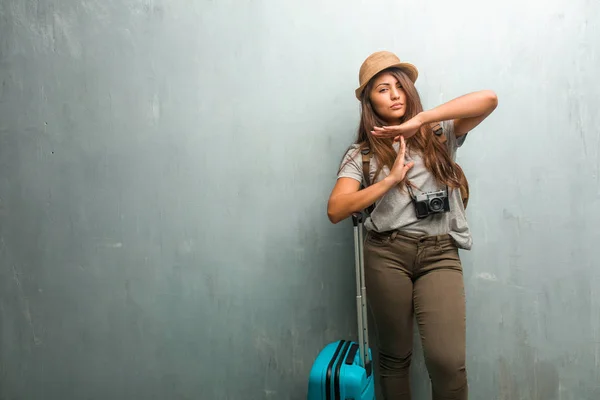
407 129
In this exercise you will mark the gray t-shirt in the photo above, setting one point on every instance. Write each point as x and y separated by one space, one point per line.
395 209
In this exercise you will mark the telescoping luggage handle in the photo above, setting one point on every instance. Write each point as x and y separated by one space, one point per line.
361 292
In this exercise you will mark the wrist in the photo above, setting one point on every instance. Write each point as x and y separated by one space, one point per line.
391 181
424 117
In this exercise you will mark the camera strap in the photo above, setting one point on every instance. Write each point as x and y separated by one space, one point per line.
409 186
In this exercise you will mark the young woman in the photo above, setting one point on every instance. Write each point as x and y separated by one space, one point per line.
412 265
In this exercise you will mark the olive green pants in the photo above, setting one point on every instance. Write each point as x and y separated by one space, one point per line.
408 274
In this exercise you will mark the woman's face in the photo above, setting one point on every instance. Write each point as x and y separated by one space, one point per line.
388 98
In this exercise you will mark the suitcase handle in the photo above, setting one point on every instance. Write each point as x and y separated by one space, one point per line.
361 292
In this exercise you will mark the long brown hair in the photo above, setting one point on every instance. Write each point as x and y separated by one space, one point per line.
435 154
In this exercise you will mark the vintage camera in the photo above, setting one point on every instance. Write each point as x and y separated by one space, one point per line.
431 203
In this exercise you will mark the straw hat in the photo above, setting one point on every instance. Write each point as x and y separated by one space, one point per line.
379 61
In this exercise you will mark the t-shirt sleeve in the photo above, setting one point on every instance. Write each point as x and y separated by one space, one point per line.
351 165
452 142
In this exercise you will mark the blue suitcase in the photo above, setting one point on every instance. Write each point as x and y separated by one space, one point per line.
343 369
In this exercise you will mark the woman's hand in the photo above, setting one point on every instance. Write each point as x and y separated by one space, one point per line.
347 197
406 130
399 169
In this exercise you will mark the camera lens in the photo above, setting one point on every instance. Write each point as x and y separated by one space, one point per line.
436 205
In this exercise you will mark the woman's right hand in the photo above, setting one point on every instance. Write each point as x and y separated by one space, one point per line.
347 197
400 168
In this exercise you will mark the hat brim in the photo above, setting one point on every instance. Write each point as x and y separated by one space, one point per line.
408 68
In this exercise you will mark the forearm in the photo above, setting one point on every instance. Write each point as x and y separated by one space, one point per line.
343 205
466 106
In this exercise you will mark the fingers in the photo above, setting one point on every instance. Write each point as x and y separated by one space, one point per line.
385 131
385 127
402 147
401 151
382 133
400 168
